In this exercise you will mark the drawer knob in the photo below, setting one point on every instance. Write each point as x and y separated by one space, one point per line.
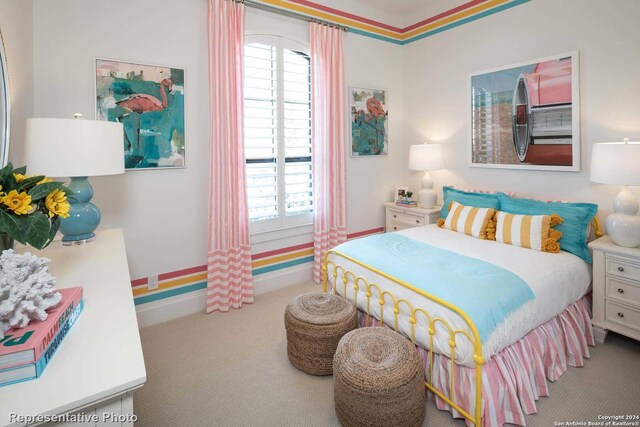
621 269
395 228
417 221
620 315
394 215
620 291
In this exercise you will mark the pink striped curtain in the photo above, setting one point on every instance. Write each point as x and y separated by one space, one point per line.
229 280
329 144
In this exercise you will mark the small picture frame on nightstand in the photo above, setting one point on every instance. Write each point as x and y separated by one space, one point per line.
399 193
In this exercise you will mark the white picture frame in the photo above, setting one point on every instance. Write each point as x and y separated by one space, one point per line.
98 116
399 192
545 148
368 124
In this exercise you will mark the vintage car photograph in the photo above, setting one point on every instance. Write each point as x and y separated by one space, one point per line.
526 116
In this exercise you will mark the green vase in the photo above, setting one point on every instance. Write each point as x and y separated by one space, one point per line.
6 242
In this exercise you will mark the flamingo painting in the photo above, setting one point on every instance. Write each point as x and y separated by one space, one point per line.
369 122
149 101
143 103
375 108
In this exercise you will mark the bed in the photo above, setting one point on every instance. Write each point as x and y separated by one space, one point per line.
474 308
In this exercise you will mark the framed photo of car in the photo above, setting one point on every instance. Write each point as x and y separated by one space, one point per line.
526 115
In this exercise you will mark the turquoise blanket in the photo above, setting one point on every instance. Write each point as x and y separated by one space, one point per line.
487 293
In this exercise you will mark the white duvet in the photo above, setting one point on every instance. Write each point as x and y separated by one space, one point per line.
557 280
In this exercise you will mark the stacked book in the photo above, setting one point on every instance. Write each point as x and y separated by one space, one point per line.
24 353
407 204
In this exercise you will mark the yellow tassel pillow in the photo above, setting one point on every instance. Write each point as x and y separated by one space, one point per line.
528 231
468 220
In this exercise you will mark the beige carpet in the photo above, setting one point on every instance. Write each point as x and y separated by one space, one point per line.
232 370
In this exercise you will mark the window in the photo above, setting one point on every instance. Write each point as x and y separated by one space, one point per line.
277 139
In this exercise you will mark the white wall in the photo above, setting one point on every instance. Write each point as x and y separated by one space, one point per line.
370 180
163 212
16 26
436 73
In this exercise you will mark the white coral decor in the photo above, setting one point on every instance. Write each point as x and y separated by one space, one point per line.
26 290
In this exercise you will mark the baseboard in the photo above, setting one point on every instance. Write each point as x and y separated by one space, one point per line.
195 302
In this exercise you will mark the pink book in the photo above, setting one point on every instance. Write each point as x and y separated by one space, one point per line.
26 345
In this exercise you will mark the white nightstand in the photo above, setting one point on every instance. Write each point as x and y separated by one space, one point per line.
616 289
398 218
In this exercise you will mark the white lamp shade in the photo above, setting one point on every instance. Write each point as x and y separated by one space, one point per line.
426 157
74 147
616 163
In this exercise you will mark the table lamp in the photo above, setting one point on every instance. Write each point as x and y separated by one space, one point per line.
619 163
426 157
78 149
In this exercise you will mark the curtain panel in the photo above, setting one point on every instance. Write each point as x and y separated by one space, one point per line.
329 145
229 279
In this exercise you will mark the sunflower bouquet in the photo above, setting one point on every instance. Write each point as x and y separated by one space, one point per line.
31 207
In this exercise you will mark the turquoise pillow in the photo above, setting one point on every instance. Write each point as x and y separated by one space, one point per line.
577 217
467 198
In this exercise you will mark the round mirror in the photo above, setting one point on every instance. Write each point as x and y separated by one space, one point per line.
4 107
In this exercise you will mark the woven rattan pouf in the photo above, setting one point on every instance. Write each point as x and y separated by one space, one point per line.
378 380
315 322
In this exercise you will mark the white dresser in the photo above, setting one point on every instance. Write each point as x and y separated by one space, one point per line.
398 217
616 289
99 364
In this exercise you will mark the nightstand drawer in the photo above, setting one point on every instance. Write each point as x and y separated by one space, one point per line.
623 268
623 290
398 218
407 220
616 289
618 313
397 227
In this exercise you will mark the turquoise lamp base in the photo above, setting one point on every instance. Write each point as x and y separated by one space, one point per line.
84 216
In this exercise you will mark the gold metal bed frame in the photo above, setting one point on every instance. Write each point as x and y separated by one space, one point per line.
382 295
474 337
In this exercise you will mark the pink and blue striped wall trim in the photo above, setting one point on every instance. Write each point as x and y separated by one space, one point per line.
195 278
462 14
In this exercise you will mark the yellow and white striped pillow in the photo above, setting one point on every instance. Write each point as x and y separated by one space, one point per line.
468 220
528 231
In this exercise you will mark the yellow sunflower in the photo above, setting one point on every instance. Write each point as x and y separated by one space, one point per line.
2 194
19 177
19 203
57 204
44 181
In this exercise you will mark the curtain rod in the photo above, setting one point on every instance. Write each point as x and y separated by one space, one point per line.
267 8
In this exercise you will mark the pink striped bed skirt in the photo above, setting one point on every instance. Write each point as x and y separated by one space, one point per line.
515 378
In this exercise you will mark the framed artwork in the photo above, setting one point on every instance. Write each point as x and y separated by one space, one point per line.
369 122
526 116
399 193
149 102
